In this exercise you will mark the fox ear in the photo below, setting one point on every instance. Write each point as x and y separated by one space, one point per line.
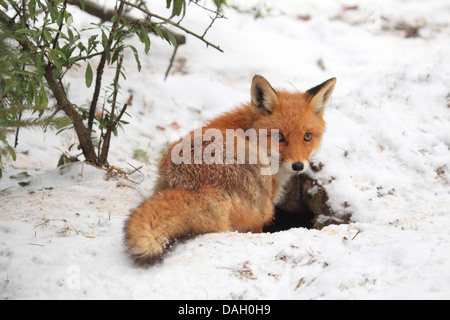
320 95
264 97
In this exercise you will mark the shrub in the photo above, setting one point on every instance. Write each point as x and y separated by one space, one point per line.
39 44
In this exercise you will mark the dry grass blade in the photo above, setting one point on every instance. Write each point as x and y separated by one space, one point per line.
65 230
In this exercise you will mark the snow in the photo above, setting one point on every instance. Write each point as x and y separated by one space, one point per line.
386 156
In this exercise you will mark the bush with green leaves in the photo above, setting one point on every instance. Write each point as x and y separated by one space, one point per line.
39 44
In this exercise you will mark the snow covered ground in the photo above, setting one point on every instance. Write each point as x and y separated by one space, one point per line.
386 154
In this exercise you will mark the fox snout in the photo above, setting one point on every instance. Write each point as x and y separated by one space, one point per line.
295 168
298 166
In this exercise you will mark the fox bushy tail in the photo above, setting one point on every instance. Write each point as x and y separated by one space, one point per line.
171 214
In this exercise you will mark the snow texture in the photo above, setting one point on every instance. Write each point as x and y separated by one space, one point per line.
386 156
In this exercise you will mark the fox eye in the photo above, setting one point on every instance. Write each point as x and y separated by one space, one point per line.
279 137
308 137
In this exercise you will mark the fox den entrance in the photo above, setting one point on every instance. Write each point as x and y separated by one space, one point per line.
304 206
285 220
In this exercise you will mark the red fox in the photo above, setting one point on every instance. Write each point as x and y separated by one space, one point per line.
204 195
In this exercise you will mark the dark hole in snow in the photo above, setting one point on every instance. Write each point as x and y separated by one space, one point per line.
285 220
305 206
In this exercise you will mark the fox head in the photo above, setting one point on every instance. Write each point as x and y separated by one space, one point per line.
298 117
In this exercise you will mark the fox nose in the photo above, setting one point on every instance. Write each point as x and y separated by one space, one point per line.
298 166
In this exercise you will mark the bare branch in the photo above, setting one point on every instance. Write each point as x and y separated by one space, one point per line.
172 59
213 19
107 137
64 103
153 15
106 15
55 41
100 69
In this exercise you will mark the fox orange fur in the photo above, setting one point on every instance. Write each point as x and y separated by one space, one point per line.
197 198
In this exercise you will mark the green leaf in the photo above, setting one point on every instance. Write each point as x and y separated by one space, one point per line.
69 18
60 54
104 40
89 75
53 12
26 31
171 38
40 61
60 18
55 60
145 39
31 92
157 30
136 56
116 53
177 8
48 35
219 3
44 98
62 160
83 5
125 22
11 152
20 176
105 43
37 99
